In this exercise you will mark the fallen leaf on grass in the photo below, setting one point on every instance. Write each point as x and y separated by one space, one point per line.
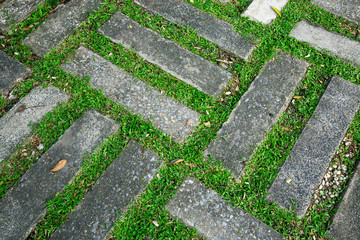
297 97
188 122
176 161
276 10
207 124
155 223
59 165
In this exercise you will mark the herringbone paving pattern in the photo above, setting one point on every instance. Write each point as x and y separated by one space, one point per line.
193 119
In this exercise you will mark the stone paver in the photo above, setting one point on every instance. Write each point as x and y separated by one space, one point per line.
206 25
312 153
11 71
179 62
205 210
123 180
346 224
24 205
321 39
14 126
165 113
14 11
261 11
61 24
349 9
257 111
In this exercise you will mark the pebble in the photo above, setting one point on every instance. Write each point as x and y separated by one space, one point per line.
40 147
347 143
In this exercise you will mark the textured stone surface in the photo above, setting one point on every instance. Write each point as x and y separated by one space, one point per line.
14 126
312 153
24 205
165 113
205 210
261 11
179 62
206 25
123 180
60 25
11 71
349 9
321 39
346 224
257 111
14 11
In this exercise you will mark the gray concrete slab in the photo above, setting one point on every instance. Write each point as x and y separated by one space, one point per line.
181 63
11 71
15 11
60 25
257 111
310 157
127 177
24 205
14 126
349 9
261 11
336 44
346 223
203 209
165 113
206 25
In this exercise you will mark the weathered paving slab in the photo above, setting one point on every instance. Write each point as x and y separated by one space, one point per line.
24 206
61 24
261 11
123 180
346 224
257 111
349 9
165 113
312 153
179 62
11 71
321 39
14 11
14 126
206 25
205 210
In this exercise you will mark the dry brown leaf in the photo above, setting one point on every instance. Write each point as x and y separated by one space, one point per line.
287 129
207 124
176 161
59 165
297 97
188 122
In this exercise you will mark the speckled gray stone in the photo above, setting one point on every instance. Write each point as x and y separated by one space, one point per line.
24 205
60 25
321 39
172 58
14 126
11 71
206 25
205 210
346 224
257 111
261 11
14 11
123 180
165 113
349 9
312 153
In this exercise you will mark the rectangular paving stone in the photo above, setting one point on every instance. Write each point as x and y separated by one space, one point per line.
14 126
117 187
172 58
206 25
15 11
257 111
60 25
261 11
349 9
321 39
24 205
346 223
203 209
310 157
165 113
11 71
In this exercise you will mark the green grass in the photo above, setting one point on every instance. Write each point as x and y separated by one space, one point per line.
248 193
